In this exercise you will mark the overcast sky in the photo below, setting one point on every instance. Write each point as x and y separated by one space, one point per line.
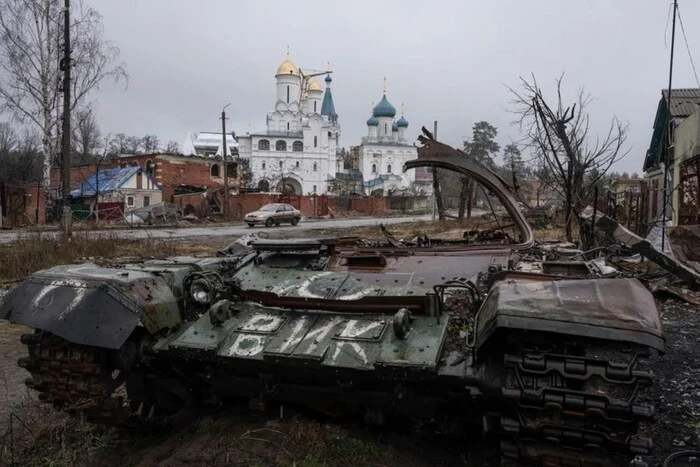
446 60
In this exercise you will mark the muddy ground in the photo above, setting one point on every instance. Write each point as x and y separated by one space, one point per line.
235 436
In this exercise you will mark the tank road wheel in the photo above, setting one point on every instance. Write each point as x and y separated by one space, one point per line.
269 222
86 380
574 403
295 220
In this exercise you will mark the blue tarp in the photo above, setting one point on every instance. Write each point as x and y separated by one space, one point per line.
106 181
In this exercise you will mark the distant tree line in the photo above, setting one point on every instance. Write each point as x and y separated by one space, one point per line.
22 152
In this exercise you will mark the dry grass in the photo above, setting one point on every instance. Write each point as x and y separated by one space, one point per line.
447 229
38 251
34 434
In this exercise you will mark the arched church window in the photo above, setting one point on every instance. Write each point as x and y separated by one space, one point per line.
264 165
297 146
374 168
287 94
386 127
264 185
315 141
281 164
124 165
315 167
287 126
281 145
388 168
215 172
263 145
315 106
296 165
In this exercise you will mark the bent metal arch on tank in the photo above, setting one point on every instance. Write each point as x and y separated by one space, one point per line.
550 363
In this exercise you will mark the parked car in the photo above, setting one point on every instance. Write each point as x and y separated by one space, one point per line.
273 214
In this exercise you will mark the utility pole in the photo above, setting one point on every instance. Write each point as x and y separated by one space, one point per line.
667 149
437 194
65 140
223 145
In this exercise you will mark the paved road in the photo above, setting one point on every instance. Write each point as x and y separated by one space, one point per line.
230 230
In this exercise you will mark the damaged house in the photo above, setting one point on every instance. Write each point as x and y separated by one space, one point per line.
682 138
124 187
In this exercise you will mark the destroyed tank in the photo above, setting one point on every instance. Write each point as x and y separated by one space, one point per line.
444 333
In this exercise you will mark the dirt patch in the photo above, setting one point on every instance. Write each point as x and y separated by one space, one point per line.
676 393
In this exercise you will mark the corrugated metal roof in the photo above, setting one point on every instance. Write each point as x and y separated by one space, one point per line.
684 102
105 180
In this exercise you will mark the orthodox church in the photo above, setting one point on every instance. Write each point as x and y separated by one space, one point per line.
384 151
298 152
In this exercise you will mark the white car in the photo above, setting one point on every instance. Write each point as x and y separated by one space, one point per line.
273 214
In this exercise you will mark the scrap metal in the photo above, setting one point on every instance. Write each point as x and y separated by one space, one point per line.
615 232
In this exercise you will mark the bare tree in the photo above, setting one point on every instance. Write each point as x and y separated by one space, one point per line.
30 60
117 144
150 144
560 136
172 147
133 145
87 138
8 138
22 161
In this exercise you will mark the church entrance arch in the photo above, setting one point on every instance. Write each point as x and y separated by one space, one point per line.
289 186
264 185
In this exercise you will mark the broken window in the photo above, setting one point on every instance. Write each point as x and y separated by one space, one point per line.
130 201
215 172
146 201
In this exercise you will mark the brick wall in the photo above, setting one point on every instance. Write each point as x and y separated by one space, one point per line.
192 202
241 204
174 171
373 205
20 205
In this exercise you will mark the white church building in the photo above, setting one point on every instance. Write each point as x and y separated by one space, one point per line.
298 152
384 151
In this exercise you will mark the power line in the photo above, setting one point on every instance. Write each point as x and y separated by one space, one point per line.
687 47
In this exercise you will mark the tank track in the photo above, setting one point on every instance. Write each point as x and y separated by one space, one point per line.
77 379
578 409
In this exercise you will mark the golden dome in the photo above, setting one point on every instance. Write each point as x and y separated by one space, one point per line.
288 68
314 86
